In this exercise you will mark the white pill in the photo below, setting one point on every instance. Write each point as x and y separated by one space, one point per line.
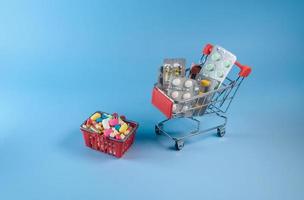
176 65
227 64
174 94
209 67
176 81
220 74
105 123
188 83
186 95
216 56
185 108
174 107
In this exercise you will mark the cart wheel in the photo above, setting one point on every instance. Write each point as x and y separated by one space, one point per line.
221 131
179 144
157 131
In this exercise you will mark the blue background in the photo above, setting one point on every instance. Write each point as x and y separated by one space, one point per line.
62 60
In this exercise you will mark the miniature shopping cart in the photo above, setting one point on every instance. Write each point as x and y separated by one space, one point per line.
214 102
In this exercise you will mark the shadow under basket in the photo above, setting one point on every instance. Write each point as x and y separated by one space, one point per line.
108 145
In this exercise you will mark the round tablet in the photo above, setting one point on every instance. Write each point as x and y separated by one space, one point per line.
216 57
227 64
176 65
174 107
186 95
176 81
185 108
220 74
174 94
188 83
209 67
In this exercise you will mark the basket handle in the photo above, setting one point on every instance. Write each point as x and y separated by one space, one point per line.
245 70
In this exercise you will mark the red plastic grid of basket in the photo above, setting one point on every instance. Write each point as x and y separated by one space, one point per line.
109 145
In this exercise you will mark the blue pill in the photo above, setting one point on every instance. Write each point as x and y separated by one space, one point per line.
104 116
99 120
117 127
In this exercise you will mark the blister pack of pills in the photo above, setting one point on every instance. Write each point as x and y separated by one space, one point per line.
218 64
182 89
171 68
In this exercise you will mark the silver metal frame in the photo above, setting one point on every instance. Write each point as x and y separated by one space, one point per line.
214 102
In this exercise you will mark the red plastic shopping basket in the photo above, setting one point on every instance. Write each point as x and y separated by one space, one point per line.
109 145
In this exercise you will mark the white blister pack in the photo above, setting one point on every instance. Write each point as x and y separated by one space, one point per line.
218 64
182 89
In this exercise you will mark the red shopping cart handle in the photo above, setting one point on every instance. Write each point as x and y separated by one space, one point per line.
207 49
245 70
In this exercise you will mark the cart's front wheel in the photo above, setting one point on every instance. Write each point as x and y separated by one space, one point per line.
179 144
221 131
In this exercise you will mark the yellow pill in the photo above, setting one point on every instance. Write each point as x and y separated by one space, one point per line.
205 83
115 131
127 132
123 128
95 116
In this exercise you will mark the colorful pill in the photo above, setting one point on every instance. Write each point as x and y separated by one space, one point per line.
99 127
122 136
123 128
99 120
112 135
89 122
117 137
93 129
120 121
115 131
113 122
105 116
107 132
174 94
205 83
105 123
128 131
115 115
95 116
117 127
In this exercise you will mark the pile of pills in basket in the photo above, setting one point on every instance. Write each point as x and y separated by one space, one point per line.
111 126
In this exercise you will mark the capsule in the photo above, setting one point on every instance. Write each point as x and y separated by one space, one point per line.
123 128
95 116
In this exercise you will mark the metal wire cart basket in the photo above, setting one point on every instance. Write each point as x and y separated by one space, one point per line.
215 102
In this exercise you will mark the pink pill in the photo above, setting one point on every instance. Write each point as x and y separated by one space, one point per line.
107 132
113 122
117 137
